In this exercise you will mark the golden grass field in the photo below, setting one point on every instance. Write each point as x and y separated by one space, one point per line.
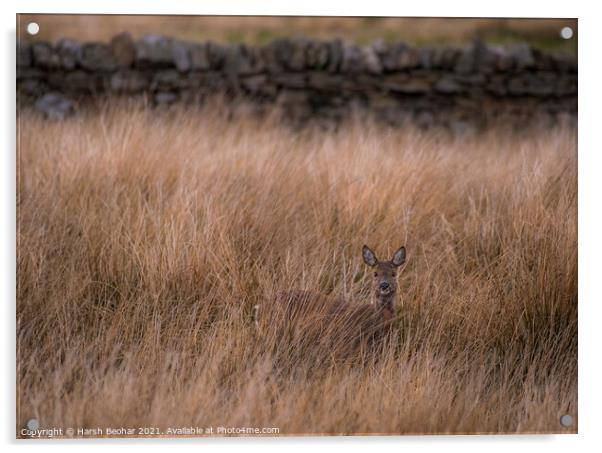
145 239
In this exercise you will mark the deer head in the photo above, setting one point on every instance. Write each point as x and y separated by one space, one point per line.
384 278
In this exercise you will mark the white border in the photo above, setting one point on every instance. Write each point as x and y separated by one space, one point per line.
590 152
460 8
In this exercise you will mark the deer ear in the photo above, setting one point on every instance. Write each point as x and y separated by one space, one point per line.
369 256
399 257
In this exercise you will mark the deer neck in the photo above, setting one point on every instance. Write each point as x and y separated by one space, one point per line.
386 306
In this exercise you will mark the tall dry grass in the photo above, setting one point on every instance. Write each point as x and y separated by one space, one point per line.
145 238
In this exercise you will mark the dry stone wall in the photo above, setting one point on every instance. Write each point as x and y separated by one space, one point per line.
308 79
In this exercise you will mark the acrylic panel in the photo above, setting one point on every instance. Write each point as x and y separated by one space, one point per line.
293 226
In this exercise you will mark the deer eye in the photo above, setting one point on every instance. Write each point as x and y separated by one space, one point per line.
393 274
376 274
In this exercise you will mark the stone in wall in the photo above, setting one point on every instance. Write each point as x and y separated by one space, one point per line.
128 81
199 57
358 60
449 85
154 51
123 50
217 55
79 82
408 84
70 53
97 57
54 106
317 55
398 56
45 56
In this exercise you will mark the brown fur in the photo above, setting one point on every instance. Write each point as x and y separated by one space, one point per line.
347 326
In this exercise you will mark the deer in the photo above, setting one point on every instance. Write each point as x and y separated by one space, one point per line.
312 316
